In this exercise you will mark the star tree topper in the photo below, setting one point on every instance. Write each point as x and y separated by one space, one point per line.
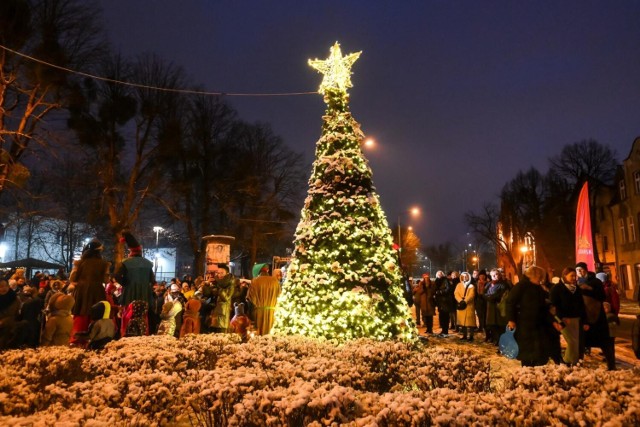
336 69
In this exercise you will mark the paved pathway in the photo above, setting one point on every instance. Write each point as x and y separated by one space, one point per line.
625 357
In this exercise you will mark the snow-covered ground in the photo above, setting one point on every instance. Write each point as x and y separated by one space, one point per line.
291 381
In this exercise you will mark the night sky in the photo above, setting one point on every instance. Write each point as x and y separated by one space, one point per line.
459 95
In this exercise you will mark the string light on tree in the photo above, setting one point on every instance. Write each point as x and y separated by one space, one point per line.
344 281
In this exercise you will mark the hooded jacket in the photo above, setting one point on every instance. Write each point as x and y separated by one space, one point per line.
57 330
170 309
102 326
191 318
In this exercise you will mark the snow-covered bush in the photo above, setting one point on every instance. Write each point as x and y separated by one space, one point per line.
216 380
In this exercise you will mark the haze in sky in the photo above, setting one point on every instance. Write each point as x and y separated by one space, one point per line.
459 95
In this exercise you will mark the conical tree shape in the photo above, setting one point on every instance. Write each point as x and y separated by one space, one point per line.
344 281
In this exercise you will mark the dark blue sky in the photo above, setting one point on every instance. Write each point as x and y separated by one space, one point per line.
460 95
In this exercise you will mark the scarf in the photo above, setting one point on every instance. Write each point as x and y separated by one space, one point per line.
572 288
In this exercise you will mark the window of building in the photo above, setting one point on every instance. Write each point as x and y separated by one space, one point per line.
636 181
605 243
623 189
623 231
631 228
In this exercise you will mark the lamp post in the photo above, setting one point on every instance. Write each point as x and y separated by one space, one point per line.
157 230
414 212
428 259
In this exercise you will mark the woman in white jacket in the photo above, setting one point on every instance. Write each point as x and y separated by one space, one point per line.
465 291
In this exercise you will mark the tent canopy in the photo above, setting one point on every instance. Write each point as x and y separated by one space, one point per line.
31 263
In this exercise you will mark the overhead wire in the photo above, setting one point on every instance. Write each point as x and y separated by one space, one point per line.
143 86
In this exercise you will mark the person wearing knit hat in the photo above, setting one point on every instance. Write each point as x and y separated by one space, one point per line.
135 274
102 329
9 308
57 330
89 274
597 328
224 287
135 248
191 318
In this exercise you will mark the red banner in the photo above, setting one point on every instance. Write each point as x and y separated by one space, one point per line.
584 241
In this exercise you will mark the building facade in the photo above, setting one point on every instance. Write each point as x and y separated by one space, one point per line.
617 219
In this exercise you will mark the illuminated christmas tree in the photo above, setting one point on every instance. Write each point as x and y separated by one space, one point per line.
344 281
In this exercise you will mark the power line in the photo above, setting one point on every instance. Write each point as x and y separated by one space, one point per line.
142 86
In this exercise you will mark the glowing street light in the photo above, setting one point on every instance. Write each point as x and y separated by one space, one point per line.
414 211
369 143
157 230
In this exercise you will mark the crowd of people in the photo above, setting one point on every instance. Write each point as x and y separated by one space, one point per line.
94 305
580 306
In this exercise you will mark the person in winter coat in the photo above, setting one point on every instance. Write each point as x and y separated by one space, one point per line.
224 288
170 310
612 296
9 307
566 298
597 333
424 300
89 275
635 336
496 321
57 329
102 329
263 295
56 286
480 303
135 274
29 320
530 315
137 324
444 302
176 295
191 318
156 307
466 317
453 314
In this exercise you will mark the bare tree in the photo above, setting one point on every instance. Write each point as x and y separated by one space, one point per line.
262 187
523 199
128 130
442 255
61 32
580 162
587 160
195 168
410 246
486 224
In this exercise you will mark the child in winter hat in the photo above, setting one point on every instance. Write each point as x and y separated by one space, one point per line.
102 328
137 325
191 318
170 309
57 330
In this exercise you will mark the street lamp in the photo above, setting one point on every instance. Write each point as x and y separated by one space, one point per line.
369 143
414 211
157 230
428 259
524 249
